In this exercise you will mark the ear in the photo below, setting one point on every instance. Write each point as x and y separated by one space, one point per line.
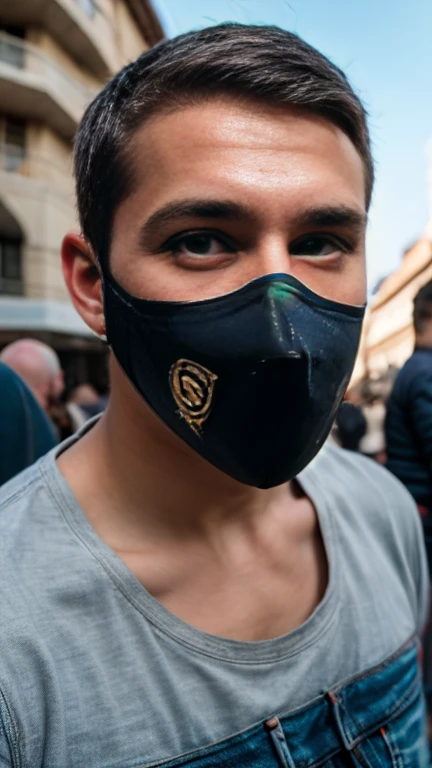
81 272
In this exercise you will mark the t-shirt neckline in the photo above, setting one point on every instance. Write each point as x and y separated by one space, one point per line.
225 649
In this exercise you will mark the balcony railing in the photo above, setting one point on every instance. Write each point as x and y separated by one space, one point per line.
10 52
26 65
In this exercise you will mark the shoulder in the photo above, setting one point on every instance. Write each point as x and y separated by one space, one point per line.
19 492
13 394
421 359
14 391
24 501
364 487
416 370
375 515
31 524
8 377
26 432
27 573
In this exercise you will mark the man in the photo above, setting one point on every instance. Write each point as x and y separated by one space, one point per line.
85 398
350 426
26 433
408 428
38 366
373 444
409 412
178 597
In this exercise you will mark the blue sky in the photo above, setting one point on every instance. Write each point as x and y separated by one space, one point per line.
384 46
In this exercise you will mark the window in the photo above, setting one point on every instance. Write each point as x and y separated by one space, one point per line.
14 143
88 7
10 267
12 51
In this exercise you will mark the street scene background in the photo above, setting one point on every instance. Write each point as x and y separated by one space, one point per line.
56 54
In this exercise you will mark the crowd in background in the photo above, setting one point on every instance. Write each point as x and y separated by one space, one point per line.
391 421
360 426
37 411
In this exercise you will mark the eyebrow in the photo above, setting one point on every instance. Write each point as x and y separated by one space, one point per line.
332 216
228 210
225 210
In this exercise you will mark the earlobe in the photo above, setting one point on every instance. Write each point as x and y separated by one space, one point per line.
82 276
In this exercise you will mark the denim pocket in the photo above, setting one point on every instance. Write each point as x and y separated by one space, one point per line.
401 741
404 736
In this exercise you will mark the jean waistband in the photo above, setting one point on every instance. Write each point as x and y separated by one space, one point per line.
338 719
352 710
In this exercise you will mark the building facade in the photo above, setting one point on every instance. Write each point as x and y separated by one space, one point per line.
388 333
54 57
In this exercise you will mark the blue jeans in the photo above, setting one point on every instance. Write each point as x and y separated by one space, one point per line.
373 720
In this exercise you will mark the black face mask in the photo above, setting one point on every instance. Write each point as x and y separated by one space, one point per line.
250 380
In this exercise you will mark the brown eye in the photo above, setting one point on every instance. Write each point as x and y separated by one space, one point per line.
317 246
200 245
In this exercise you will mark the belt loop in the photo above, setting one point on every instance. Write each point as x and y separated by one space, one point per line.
343 730
277 738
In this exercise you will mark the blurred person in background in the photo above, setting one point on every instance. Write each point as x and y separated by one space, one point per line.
26 433
83 402
39 367
408 424
408 429
373 444
350 426
191 580
88 400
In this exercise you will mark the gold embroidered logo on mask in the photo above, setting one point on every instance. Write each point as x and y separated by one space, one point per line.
192 386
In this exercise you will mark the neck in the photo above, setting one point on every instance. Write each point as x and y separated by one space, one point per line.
424 340
155 483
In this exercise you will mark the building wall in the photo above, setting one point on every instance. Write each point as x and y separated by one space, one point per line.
44 214
49 158
49 48
101 30
114 32
388 336
58 76
129 39
105 24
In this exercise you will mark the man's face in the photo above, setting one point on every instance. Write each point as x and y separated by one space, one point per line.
226 192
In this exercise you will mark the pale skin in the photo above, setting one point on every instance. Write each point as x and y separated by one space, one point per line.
229 559
39 368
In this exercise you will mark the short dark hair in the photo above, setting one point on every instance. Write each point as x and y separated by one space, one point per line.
351 425
422 314
264 63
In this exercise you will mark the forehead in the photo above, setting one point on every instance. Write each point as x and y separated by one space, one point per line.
246 148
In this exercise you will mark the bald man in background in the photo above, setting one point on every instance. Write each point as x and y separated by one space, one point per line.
38 366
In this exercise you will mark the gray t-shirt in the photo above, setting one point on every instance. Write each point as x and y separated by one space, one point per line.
94 672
